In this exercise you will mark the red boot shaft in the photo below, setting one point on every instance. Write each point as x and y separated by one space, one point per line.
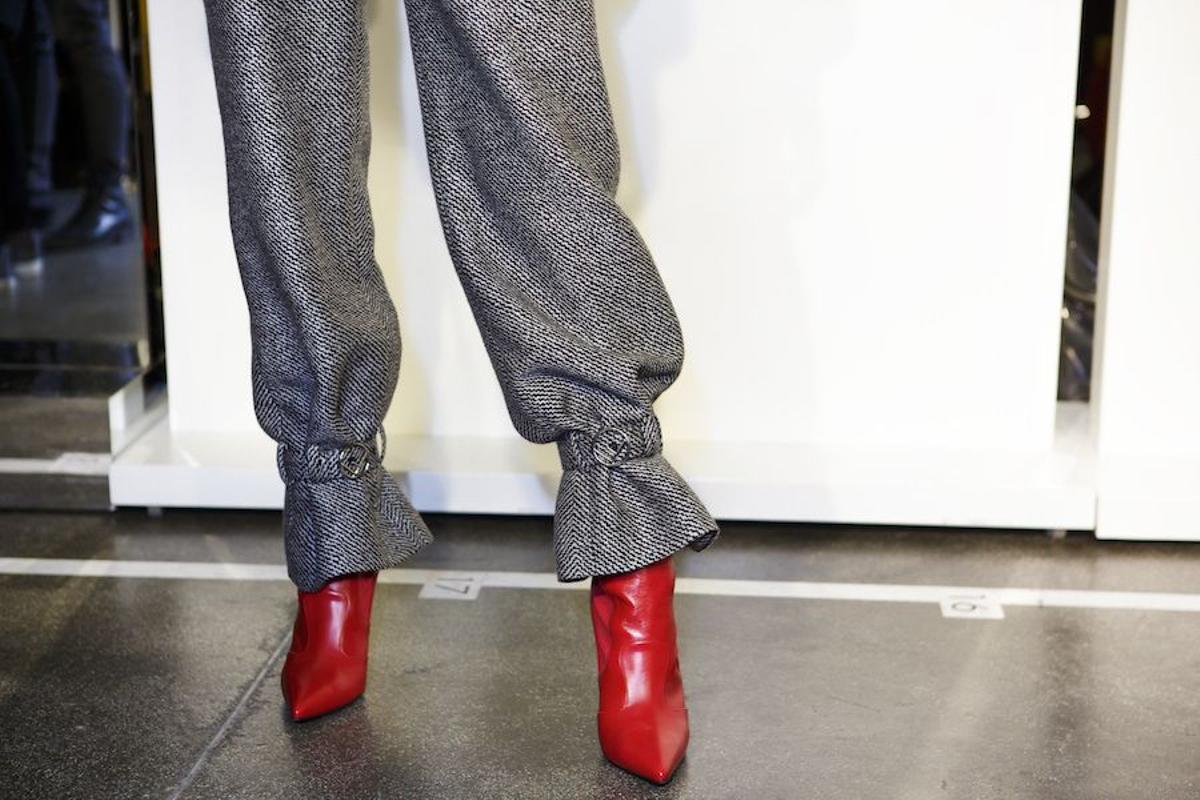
326 667
642 718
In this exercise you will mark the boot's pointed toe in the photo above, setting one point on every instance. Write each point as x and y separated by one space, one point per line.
651 747
313 692
326 666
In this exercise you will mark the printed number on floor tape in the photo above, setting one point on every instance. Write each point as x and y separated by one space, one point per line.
971 606
456 587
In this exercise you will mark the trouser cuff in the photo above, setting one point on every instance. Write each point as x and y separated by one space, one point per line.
621 506
344 513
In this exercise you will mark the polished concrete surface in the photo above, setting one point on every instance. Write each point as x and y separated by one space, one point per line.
136 687
72 333
46 427
37 431
93 294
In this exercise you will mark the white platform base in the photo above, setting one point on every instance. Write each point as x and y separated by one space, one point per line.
1147 497
808 483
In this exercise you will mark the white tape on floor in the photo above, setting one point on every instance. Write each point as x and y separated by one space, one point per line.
996 597
93 464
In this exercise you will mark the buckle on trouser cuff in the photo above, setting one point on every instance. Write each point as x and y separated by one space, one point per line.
611 445
317 463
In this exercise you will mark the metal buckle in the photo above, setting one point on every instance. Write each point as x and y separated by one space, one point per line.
355 461
611 446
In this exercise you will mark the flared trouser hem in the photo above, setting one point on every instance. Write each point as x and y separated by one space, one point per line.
344 513
610 520
343 527
621 505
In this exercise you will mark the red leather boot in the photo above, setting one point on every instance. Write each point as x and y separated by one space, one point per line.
326 667
642 720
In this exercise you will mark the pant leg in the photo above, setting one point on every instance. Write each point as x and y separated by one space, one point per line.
27 87
41 105
574 315
292 88
83 31
12 135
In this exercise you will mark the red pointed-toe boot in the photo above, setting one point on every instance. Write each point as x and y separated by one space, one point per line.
642 720
326 667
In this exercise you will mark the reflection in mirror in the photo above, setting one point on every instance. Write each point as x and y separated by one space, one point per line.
1087 181
79 318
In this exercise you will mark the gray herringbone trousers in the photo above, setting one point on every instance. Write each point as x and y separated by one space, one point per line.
573 313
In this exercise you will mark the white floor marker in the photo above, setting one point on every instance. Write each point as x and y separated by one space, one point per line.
452 587
971 606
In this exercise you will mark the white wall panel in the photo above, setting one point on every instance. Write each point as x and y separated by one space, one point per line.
859 207
1148 392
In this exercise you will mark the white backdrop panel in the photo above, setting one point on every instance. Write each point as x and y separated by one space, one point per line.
859 207
1148 396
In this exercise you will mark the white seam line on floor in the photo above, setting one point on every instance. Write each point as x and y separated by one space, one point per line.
223 731
725 587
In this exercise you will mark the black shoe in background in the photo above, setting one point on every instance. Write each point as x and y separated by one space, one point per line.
26 249
103 218
8 278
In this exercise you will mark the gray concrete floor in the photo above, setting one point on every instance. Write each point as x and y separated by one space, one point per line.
113 687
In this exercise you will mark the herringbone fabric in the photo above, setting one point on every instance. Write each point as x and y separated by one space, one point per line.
524 162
